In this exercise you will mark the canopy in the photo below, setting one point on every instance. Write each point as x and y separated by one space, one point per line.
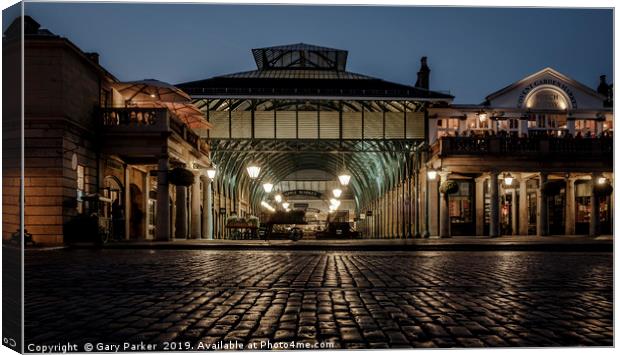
150 90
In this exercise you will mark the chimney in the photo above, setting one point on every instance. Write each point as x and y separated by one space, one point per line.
93 56
603 88
423 75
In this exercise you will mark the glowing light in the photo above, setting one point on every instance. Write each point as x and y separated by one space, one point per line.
334 202
211 172
253 170
278 198
337 192
285 205
267 206
601 180
432 174
344 179
508 180
482 116
267 187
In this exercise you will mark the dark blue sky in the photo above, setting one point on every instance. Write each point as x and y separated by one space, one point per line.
472 51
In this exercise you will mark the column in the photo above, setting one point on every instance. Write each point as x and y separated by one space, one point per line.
594 208
523 206
207 208
522 127
444 212
569 223
162 229
493 206
415 204
196 198
181 209
145 202
480 205
514 213
570 125
127 201
542 220
433 196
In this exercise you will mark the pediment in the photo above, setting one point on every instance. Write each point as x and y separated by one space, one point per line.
546 89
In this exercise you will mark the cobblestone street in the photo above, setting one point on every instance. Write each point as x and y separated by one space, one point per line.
340 299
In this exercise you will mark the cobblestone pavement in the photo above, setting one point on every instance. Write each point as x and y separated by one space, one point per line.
335 299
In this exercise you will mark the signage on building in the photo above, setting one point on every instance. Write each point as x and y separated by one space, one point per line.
549 82
302 193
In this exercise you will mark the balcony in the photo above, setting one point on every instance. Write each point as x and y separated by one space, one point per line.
147 121
531 147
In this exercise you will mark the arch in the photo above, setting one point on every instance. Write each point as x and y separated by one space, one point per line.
566 104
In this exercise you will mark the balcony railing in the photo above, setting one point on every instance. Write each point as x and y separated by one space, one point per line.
148 120
597 147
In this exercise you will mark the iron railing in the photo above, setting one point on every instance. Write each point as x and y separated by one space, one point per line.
601 147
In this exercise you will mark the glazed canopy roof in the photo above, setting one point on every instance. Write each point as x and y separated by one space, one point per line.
303 70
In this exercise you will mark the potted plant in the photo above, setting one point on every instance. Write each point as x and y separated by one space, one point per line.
181 177
449 187
253 221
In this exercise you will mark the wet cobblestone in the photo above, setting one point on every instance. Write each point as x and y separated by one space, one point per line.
344 299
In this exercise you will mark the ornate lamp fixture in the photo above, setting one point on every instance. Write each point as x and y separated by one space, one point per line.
431 174
344 176
508 179
285 205
267 187
253 170
337 192
211 172
278 198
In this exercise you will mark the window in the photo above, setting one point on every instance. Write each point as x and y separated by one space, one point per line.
585 126
460 204
447 126
80 188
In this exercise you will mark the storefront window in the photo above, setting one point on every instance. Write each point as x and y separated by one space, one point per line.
80 188
460 204
447 127
585 126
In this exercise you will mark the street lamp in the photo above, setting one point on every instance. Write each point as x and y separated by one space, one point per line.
432 174
508 179
337 192
334 202
278 198
285 205
211 172
267 187
601 180
253 170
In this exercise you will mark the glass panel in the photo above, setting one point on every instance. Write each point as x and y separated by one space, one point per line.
241 124
286 124
329 124
415 125
308 124
219 119
352 125
263 124
394 125
373 125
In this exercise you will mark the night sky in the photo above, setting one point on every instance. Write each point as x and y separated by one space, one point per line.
472 51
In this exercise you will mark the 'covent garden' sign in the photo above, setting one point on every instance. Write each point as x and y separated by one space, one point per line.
547 98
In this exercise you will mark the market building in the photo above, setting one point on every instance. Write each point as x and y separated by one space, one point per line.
535 158
301 110
301 133
93 144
